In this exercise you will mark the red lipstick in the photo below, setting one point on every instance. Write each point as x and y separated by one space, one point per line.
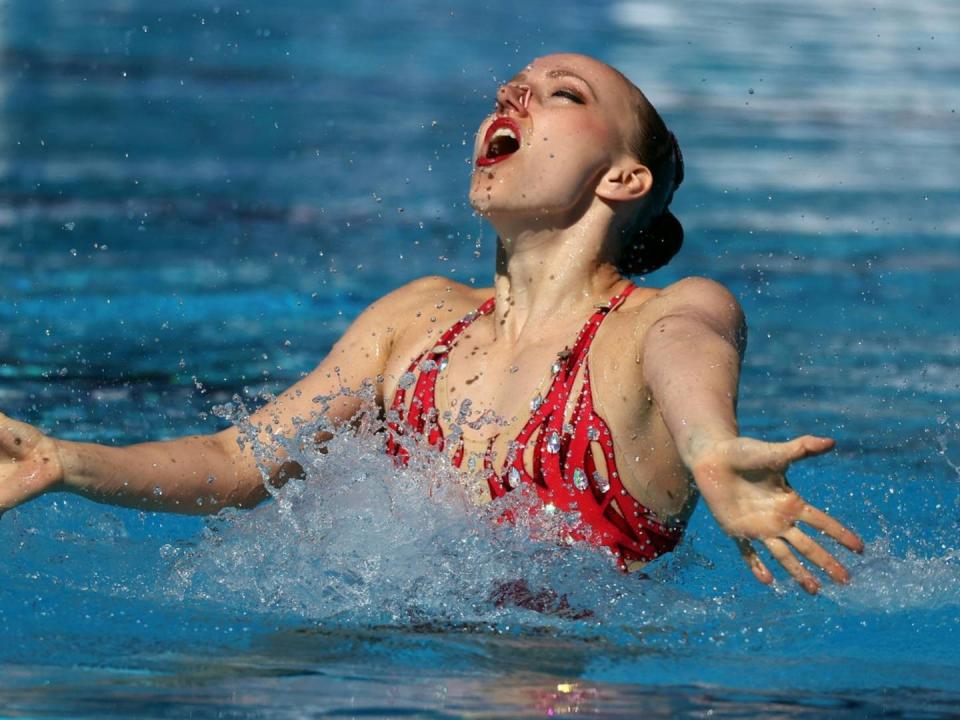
498 149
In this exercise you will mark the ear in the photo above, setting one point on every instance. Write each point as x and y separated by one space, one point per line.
626 180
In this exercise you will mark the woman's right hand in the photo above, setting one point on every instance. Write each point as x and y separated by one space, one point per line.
29 463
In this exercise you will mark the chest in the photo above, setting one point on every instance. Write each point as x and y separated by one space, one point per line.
490 386
485 390
478 397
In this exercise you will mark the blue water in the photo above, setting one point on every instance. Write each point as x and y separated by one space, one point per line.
196 200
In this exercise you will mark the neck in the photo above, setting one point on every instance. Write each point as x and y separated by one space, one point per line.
548 274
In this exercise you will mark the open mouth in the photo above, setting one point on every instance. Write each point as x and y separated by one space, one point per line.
501 141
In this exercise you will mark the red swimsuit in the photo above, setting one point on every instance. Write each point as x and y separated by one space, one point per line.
565 474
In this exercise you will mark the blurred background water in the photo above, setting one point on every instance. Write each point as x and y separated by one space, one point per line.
196 199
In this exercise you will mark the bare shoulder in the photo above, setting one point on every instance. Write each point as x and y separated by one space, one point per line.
692 299
701 298
432 287
407 302
700 292
412 310
388 326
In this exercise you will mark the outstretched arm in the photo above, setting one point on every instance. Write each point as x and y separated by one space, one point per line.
201 474
691 361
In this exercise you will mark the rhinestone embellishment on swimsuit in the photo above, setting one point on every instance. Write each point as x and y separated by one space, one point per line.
593 434
536 403
513 478
580 479
553 443
406 380
603 485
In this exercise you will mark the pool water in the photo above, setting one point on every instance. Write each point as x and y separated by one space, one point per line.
195 201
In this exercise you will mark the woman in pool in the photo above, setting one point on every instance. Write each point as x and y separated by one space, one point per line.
609 399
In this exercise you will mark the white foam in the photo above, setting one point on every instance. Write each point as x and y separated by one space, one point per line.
889 583
365 541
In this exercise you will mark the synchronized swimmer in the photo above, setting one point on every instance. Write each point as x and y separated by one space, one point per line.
610 399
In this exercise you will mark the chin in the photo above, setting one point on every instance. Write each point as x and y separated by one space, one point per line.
482 199
489 193
488 207
481 206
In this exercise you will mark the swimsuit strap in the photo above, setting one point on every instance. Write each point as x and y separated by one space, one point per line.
581 346
422 375
565 472
566 368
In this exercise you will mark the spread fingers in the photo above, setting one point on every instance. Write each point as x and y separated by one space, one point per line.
752 559
781 551
823 522
812 551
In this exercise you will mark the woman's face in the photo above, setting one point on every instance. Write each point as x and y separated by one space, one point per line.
557 127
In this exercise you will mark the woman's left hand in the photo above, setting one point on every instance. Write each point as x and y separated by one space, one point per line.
743 482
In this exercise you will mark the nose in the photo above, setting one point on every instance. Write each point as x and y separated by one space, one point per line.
513 97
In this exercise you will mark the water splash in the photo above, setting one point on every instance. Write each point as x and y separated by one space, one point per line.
892 584
362 541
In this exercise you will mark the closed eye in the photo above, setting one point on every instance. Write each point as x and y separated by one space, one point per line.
569 95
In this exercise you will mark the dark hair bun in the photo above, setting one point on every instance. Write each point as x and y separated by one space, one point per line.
652 247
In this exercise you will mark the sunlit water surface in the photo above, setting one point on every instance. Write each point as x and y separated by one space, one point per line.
195 201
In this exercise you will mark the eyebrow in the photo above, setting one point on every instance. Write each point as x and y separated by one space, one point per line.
562 72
